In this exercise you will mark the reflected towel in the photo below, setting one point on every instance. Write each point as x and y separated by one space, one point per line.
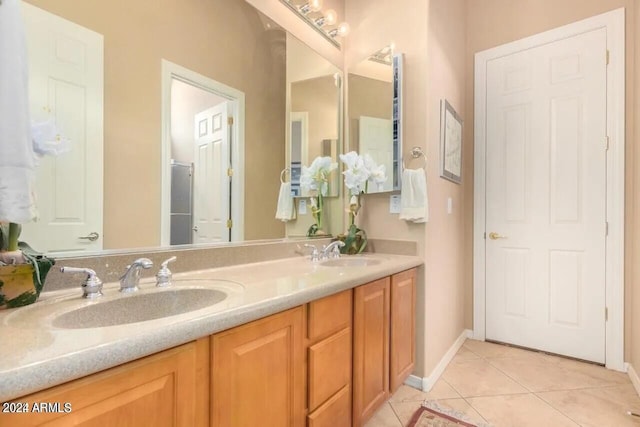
285 211
413 195
17 160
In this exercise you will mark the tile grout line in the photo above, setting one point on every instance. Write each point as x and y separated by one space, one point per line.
509 376
395 413
542 391
556 409
460 394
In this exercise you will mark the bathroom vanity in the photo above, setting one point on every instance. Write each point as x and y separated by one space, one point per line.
323 344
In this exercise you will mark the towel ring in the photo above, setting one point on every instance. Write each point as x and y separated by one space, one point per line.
283 175
416 153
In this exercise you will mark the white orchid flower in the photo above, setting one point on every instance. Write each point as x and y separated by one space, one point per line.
356 174
377 173
316 176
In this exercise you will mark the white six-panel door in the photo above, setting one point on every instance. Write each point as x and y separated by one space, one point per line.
66 84
546 197
211 182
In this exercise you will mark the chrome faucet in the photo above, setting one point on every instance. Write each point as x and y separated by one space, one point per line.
332 250
131 277
91 286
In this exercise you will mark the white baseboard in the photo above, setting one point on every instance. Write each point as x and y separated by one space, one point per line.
633 376
414 381
427 383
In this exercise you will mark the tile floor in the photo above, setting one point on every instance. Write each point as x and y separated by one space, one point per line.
509 387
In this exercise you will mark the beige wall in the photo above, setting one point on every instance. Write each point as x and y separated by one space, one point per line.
432 37
367 97
221 39
494 22
633 210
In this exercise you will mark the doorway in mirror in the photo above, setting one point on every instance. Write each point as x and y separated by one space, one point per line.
202 124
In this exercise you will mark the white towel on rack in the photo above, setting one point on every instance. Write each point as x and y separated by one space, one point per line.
285 211
17 160
413 194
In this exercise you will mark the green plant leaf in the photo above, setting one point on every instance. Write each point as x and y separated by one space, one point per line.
24 298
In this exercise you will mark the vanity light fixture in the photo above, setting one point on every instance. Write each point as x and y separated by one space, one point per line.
384 55
310 6
341 30
323 22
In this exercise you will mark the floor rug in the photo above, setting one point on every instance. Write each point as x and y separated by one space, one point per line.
433 415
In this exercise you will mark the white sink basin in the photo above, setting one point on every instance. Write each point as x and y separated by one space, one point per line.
350 262
139 308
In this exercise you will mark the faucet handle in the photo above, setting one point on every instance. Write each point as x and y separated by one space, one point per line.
315 254
91 286
335 252
163 278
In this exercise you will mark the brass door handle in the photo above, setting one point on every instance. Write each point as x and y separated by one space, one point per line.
495 236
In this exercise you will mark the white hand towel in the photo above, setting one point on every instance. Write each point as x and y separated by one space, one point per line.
17 160
285 211
413 195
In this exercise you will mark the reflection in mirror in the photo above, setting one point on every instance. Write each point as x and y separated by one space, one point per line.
375 88
314 109
110 184
314 115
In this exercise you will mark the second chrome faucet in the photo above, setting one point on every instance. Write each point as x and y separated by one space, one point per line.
131 277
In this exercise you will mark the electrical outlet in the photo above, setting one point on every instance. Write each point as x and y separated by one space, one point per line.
394 204
302 207
449 205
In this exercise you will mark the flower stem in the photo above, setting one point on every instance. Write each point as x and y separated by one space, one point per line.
14 232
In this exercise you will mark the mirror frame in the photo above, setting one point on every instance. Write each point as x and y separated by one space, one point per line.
397 101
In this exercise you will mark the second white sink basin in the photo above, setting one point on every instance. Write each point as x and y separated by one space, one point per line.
350 262
139 308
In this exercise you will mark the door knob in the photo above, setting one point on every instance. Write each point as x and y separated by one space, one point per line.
195 228
495 236
92 237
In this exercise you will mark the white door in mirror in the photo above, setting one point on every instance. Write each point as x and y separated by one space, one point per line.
211 181
66 86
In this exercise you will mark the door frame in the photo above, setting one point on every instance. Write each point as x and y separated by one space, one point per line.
614 23
172 71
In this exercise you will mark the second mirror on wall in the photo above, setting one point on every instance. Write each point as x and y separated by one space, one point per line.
375 112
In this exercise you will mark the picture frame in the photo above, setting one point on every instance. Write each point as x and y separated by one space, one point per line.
450 143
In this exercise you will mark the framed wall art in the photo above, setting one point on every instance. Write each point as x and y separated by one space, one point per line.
450 143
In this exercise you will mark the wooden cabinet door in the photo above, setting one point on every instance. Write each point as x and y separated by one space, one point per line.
403 320
335 412
257 373
159 390
370 349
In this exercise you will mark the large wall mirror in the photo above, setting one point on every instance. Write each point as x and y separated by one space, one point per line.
178 116
315 99
375 112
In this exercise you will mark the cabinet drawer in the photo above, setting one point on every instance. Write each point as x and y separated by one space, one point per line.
329 367
336 412
329 315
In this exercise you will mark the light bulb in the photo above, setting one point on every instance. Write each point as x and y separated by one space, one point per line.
343 29
311 6
315 5
330 17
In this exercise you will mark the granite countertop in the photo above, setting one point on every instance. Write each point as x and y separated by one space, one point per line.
35 355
